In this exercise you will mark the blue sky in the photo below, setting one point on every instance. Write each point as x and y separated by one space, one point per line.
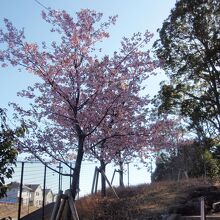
133 16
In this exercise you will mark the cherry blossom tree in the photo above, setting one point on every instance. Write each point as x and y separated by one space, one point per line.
166 136
166 133
121 135
79 88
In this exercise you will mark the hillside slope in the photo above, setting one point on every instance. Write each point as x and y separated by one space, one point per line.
151 201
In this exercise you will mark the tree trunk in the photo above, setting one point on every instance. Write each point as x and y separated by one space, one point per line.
121 180
76 175
77 168
103 180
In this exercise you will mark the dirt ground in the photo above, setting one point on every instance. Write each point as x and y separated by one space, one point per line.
7 209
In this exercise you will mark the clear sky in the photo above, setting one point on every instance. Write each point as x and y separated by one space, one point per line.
133 16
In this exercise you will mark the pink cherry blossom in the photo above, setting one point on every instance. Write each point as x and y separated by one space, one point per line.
83 102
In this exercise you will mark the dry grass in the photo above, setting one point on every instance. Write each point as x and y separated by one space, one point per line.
147 201
139 202
11 210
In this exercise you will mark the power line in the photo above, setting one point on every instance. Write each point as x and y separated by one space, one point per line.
39 3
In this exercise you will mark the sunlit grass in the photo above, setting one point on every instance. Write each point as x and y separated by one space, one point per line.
139 201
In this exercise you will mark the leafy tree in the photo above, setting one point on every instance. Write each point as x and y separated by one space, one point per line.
192 158
80 88
8 152
212 167
189 48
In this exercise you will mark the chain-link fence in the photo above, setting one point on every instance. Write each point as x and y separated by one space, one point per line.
35 185
32 187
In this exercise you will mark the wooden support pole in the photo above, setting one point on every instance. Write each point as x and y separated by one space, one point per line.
61 208
56 206
94 181
97 180
109 183
72 205
113 176
179 174
186 175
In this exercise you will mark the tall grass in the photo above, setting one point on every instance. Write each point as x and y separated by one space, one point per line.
148 201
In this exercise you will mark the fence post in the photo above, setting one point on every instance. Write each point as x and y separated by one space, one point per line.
20 193
60 184
202 208
70 175
128 174
44 190
61 179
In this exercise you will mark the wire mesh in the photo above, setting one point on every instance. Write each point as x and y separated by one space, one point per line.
34 177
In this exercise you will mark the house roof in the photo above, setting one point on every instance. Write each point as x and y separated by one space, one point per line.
47 191
13 185
33 186
17 185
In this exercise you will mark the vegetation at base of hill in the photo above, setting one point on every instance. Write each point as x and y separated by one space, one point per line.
150 201
194 160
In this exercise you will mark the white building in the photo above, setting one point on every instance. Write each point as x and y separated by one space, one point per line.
32 194
49 197
36 197
13 193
